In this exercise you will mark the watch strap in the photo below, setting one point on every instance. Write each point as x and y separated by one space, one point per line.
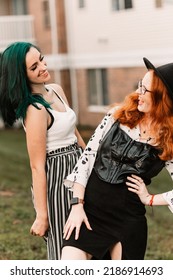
76 200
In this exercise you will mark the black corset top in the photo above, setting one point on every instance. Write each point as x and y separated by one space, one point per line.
120 156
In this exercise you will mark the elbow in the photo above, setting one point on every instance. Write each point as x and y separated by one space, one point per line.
37 168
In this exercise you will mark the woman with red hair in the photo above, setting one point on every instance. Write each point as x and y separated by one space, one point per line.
133 143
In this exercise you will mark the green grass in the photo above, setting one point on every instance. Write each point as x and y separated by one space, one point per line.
160 222
16 209
17 213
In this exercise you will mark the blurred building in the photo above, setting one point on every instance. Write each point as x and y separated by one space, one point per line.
94 48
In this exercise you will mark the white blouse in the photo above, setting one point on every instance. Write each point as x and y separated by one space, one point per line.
84 166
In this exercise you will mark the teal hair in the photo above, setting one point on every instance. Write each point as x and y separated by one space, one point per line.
15 88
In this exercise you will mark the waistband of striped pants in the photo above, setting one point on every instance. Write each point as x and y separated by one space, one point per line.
64 150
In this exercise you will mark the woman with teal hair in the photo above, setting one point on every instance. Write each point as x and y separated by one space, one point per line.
53 142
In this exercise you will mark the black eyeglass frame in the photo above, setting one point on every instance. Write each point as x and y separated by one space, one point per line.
142 88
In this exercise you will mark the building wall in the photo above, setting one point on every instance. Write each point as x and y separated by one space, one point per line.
96 37
61 27
117 41
42 34
121 81
97 29
53 42
5 8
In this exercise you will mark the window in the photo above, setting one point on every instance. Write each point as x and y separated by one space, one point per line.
158 3
46 14
19 7
121 5
81 4
161 3
97 87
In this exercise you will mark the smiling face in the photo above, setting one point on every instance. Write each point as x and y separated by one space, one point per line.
145 100
36 67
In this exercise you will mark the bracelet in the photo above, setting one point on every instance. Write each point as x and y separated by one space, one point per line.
151 200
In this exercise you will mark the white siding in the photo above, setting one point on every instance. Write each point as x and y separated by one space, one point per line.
98 36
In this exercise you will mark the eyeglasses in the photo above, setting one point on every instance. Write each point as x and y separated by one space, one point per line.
142 88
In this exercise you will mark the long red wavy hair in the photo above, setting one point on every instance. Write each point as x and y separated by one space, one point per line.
161 116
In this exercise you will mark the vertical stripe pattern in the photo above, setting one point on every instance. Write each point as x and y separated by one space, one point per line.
59 164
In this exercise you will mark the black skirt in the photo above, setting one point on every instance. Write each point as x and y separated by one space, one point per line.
115 215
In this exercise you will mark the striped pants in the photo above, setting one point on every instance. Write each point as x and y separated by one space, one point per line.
59 164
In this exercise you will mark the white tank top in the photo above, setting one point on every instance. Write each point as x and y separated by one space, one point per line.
62 131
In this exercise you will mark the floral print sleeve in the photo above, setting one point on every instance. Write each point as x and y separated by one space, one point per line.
84 166
168 196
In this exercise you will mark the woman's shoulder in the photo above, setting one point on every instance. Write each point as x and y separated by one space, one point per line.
36 108
35 114
58 90
113 108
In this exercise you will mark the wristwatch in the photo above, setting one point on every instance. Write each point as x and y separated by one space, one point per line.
76 200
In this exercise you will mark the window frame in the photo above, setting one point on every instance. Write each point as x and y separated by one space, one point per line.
19 8
119 5
100 86
46 13
81 4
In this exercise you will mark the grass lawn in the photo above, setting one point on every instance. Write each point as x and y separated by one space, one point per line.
16 209
17 214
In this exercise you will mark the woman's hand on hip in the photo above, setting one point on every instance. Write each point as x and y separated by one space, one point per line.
137 185
76 218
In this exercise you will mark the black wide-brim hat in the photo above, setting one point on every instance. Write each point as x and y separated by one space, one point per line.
165 73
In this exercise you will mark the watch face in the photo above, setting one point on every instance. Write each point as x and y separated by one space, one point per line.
74 200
